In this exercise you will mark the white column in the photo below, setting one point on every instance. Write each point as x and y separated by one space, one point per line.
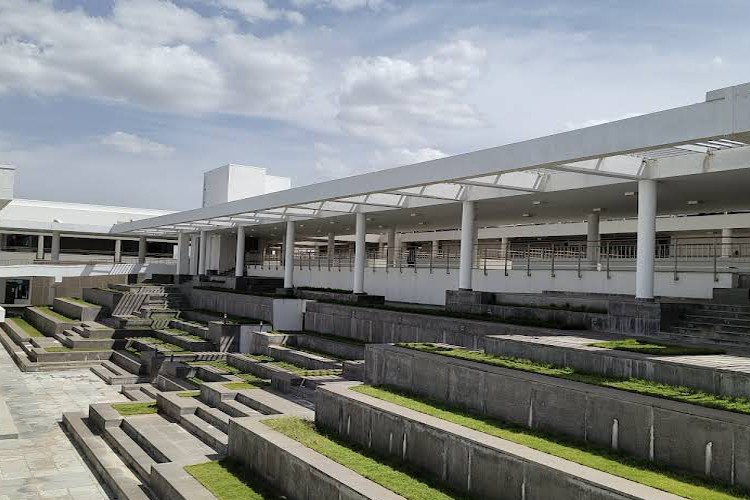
391 241
360 253
726 242
55 253
194 251
40 247
142 250
435 249
183 258
239 259
289 256
468 237
118 250
644 268
203 254
592 238
331 245
504 242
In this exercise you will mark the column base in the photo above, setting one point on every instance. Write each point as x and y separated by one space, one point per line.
641 299
465 289
285 292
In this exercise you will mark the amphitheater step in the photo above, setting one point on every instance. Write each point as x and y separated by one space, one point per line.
138 459
234 408
108 465
206 432
214 416
166 441
128 362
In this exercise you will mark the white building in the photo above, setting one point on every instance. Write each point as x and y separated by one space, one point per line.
57 239
654 205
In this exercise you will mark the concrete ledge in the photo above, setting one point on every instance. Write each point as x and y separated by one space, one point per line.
344 348
102 416
7 426
304 359
468 460
235 304
46 323
185 343
77 310
171 481
272 456
118 478
339 296
651 428
674 370
257 342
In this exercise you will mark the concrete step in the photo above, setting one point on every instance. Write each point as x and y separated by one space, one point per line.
708 317
302 358
723 308
108 465
137 395
128 362
234 408
167 441
343 349
138 459
206 432
214 416
712 327
116 375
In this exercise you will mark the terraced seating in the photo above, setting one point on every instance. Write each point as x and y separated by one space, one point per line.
721 324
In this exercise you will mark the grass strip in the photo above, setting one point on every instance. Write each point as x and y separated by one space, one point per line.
128 409
229 480
387 473
218 364
606 460
78 301
189 394
302 371
657 349
62 348
159 344
638 386
260 358
182 334
25 326
48 311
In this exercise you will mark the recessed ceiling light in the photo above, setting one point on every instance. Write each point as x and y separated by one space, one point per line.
413 214
421 223
629 193
536 202
369 219
380 226
301 225
596 210
332 222
527 215
694 202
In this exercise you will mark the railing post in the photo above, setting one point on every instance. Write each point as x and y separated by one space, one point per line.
400 261
350 260
415 261
373 261
485 262
716 264
431 252
552 263
505 261
579 262
528 259
674 249
607 250
448 261
387 259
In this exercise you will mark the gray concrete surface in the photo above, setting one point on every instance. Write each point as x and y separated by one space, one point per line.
42 462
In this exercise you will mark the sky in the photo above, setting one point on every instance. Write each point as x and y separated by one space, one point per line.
128 102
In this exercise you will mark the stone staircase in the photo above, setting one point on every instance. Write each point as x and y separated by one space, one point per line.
121 368
723 324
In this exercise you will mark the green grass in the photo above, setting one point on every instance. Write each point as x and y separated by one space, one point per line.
160 344
639 386
230 480
239 386
218 364
48 311
189 394
336 338
25 326
182 334
141 408
635 345
386 473
602 459
260 358
78 301
62 348
304 372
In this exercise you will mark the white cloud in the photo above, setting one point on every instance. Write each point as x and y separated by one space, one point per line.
343 5
133 144
393 100
258 10
150 53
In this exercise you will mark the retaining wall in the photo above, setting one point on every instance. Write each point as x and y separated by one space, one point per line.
382 326
625 364
77 310
474 463
295 470
235 304
717 445
45 323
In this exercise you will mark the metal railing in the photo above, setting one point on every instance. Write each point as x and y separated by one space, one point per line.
608 256
78 260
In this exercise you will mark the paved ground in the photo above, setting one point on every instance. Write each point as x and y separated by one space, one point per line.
42 462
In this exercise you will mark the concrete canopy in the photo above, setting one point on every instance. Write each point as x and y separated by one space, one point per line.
697 153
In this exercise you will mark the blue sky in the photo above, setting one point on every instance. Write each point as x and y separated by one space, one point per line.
127 102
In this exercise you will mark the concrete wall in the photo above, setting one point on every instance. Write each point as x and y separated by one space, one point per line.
75 310
382 326
649 428
293 469
423 287
623 364
235 304
471 462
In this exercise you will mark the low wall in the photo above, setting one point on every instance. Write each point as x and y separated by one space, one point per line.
326 295
423 286
47 324
718 443
77 310
108 299
340 348
469 461
295 470
381 326
624 364
235 304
